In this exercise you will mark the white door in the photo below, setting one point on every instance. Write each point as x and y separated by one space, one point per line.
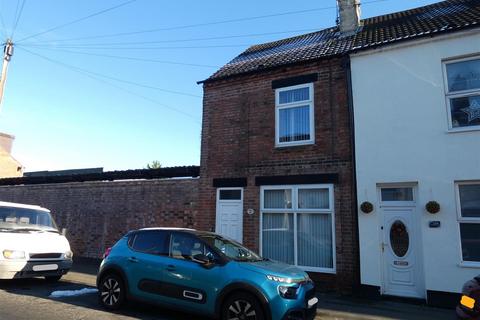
402 274
229 221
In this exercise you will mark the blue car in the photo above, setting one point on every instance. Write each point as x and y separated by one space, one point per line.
203 273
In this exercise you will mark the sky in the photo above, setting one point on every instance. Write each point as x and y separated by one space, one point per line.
119 90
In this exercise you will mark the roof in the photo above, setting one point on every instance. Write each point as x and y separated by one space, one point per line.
427 21
20 205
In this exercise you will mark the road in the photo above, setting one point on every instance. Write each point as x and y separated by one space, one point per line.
29 299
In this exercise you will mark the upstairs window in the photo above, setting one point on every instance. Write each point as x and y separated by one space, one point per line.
463 93
294 123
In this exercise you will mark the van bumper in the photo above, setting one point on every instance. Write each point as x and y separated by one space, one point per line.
30 269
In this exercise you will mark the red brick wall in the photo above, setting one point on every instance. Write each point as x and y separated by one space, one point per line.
97 214
238 140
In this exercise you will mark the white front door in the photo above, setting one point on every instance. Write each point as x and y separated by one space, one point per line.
402 275
229 221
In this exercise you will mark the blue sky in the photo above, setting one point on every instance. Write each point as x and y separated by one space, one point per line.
65 118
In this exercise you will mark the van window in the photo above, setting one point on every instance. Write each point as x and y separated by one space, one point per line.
152 242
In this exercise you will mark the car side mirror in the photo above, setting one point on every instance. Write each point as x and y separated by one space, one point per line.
203 260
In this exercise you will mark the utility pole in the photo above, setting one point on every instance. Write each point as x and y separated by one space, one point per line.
7 56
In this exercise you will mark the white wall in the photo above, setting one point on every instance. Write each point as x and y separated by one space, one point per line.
401 129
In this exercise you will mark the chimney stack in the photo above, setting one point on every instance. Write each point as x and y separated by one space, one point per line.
349 15
6 142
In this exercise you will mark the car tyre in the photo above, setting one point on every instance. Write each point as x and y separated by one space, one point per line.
53 279
243 306
111 292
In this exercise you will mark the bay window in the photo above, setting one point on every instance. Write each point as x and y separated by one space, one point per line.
297 226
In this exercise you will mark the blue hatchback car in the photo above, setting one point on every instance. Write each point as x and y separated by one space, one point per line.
204 273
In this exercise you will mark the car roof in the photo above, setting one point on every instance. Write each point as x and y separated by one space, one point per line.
188 230
23 206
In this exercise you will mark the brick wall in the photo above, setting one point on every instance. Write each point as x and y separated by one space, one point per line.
238 140
97 214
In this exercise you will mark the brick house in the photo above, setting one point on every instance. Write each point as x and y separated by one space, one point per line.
276 161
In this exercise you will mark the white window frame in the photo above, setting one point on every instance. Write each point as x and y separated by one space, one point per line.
295 211
411 185
464 220
279 106
457 94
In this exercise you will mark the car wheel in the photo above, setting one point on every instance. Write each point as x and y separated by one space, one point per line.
53 279
111 292
242 306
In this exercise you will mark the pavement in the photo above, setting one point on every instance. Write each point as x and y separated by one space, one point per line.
29 299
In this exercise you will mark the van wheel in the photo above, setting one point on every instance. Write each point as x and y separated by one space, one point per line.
111 292
243 306
53 279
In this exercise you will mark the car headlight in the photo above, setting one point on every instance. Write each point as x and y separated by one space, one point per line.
279 279
13 254
288 292
68 255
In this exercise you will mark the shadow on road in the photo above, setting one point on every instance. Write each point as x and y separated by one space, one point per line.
39 288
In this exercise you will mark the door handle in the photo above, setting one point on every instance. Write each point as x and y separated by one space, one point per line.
171 267
133 259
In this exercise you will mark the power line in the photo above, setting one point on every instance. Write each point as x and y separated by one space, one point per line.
143 48
209 23
178 40
92 76
129 58
117 79
78 20
17 18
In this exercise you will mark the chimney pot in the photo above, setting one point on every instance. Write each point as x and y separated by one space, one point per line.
349 15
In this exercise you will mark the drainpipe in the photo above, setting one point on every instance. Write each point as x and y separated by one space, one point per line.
348 69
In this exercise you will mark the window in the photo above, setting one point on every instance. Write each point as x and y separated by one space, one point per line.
230 194
469 219
297 226
294 117
185 246
152 242
397 194
463 93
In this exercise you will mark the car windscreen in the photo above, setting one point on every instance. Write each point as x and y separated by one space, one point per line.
12 218
231 249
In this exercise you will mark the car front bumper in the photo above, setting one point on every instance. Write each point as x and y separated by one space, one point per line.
29 269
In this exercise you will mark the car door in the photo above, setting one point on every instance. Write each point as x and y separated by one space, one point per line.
146 262
191 284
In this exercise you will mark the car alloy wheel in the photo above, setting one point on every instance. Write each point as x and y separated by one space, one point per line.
241 310
242 306
111 292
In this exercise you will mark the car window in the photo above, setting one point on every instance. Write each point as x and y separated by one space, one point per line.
152 242
185 246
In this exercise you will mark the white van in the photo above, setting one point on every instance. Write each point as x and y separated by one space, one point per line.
31 244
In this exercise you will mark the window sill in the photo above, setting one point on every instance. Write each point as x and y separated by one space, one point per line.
463 129
469 264
298 144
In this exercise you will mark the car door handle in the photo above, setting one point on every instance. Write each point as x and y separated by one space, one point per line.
171 267
133 259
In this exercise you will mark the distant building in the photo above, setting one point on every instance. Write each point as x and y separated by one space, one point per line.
56 173
9 167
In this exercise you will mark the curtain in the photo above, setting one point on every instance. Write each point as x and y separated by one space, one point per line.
277 237
295 95
313 199
277 199
315 246
294 124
